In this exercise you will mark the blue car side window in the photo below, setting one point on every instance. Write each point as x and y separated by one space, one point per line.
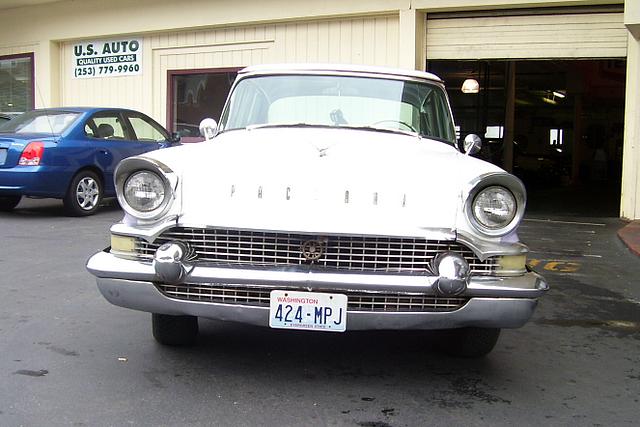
146 130
105 127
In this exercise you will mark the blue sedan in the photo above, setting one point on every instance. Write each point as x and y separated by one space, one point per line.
71 154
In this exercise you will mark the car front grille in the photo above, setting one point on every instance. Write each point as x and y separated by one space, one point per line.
356 301
338 252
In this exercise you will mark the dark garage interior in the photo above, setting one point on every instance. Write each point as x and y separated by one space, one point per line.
568 120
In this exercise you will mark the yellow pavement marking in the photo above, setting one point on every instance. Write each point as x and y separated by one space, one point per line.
556 266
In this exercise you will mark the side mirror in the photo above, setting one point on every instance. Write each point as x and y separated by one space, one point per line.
208 128
175 138
472 144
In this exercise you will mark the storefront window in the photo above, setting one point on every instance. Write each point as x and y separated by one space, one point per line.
16 83
195 95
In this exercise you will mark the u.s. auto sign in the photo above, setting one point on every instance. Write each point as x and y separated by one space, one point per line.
107 58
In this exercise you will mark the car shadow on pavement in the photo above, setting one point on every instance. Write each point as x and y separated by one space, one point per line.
53 208
351 354
368 364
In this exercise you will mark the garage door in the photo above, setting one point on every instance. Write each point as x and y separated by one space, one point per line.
535 36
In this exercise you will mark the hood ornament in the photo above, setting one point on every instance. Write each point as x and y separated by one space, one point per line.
322 150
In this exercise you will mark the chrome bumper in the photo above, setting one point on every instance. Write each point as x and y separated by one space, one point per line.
495 302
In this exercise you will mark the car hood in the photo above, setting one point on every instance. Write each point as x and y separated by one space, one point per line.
323 180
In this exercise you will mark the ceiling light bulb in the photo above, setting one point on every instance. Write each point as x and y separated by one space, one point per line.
470 86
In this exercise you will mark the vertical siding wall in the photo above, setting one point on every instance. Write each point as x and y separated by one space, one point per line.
588 35
367 40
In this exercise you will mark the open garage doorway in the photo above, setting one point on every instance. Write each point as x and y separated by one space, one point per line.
568 121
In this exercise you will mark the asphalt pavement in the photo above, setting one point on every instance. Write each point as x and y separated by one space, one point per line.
71 358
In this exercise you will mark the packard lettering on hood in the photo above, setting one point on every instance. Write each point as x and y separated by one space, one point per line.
328 198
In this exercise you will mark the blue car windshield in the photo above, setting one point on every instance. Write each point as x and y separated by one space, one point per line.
43 121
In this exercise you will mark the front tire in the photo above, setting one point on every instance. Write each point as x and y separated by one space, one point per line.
7 203
84 194
174 330
469 342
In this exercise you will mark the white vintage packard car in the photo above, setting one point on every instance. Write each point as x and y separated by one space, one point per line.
328 198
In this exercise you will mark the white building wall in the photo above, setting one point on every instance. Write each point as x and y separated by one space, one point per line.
18 48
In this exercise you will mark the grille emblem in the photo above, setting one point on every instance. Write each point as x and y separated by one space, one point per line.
312 250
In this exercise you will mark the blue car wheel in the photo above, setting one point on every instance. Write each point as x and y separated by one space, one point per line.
84 194
7 203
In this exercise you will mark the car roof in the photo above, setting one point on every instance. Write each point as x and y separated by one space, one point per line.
337 68
84 109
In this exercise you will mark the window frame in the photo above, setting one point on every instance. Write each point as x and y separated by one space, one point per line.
31 100
126 130
444 132
171 74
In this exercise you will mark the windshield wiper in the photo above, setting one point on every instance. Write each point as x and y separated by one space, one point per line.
400 131
316 125
386 130
279 125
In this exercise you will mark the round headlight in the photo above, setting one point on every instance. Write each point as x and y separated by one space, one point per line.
494 207
144 191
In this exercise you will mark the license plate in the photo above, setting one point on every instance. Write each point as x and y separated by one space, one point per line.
308 310
3 155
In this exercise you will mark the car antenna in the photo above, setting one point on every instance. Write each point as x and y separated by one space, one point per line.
42 102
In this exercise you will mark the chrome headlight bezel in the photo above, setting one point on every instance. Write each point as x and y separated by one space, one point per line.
503 180
133 165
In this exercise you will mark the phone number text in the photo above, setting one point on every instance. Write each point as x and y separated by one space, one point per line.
102 70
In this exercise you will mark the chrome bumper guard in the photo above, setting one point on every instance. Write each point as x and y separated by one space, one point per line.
495 302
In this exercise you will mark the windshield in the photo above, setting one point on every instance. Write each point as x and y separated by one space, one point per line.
51 122
408 106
